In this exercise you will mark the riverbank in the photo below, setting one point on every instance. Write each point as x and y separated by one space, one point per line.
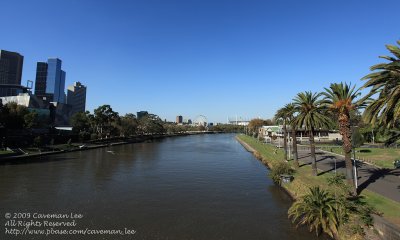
100 143
303 179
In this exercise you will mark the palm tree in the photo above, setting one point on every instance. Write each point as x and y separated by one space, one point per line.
340 98
291 111
385 82
311 116
318 209
288 113
281 115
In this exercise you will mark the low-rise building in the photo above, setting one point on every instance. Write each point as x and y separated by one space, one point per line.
276 133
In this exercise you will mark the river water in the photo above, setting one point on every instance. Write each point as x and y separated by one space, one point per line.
193 187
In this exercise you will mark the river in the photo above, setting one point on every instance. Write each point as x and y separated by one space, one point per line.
193 187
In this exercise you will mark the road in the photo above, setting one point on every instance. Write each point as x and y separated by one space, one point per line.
383 181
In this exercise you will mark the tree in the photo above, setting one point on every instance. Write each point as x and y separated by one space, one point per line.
357 138
288 112
103 117
369 132
255 124
151 124
311 115
128 124
80 122
81 125
385 83
318 210
1 112
340 98
281 116
13 115
38 141
31 120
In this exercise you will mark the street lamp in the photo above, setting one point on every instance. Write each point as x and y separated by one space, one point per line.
354 157
290 157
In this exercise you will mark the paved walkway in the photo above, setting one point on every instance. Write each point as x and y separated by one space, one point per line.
383 181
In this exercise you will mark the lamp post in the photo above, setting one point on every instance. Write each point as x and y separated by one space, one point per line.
354 157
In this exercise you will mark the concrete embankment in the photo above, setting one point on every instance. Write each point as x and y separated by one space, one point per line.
245 145
257 155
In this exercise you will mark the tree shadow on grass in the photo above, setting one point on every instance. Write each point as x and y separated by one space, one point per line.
304 164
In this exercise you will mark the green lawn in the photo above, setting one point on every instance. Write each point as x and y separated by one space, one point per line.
269 152
382 157
389 208
303 179
5 152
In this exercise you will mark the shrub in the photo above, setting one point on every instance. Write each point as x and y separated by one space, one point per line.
317 209
279 169
93 136
38 142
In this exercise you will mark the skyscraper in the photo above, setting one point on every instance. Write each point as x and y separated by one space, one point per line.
76 97
179 119
10 67
10 73
50 80
41 76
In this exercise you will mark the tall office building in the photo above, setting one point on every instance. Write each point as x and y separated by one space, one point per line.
41 76
76 97
179 119
50 81
11 64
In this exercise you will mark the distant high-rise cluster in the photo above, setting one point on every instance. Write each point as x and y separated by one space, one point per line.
50 81
49 87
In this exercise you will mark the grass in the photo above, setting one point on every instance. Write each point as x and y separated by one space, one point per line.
389 208
5 152
381 157
268 152
303 180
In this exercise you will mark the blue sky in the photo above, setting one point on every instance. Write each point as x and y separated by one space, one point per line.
212 57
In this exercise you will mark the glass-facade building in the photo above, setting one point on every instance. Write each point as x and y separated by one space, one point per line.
41 76
50 80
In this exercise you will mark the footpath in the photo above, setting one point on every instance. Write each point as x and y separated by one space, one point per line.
380 180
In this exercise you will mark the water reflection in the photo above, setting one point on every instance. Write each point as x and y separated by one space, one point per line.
195 187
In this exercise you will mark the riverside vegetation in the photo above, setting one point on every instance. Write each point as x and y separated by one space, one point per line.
31 131
325 203
349 216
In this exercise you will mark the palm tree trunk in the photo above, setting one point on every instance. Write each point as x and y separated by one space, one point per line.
312 148
294 141
285 140
345 131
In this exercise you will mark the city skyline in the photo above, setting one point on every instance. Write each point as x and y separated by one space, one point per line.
219 59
